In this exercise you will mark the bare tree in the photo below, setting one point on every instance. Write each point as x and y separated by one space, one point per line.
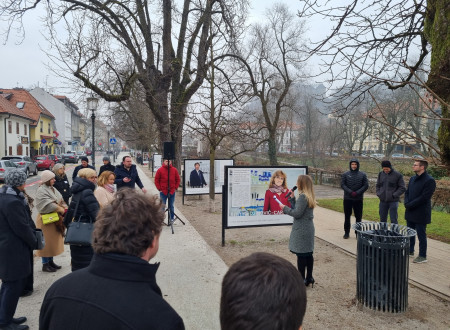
376 43
111 45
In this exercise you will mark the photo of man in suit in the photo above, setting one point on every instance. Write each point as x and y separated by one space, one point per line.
196 179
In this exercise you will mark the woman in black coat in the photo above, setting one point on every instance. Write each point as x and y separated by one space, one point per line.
83 191
62 183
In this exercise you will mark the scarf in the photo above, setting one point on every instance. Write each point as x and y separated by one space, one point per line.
109 187
277 189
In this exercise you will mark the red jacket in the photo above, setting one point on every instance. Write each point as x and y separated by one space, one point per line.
161 179
271 206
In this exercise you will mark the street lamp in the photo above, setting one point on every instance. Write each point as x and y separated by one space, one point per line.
108 128
92 103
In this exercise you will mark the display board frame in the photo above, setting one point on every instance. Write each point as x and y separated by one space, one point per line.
244 207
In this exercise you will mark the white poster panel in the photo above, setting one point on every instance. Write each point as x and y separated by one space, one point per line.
247 189
157 162
193 182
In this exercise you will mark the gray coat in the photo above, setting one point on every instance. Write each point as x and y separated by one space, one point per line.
390 186
302 234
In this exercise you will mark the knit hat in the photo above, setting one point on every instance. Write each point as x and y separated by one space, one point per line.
84 158
386 163
15 178
106 158
47 176
57 167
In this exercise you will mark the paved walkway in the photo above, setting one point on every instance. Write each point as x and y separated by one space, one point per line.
191 272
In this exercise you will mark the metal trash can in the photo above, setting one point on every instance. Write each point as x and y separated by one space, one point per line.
383 265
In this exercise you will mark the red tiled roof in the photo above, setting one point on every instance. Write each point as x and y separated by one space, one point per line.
8 107
32 107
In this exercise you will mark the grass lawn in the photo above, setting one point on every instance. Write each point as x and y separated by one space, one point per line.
439 228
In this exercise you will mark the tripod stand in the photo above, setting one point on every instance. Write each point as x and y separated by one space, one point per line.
168 200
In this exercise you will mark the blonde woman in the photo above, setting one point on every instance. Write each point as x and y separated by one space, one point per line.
301 241
278 188
83 187
105 188
49 200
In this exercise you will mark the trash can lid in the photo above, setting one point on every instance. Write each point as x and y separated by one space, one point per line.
383 229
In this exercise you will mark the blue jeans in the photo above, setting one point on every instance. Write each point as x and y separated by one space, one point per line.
171 201
421 230
46 259
9 297
390 207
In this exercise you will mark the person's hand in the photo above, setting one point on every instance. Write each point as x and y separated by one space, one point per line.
354 194
126 179
144 190
281 205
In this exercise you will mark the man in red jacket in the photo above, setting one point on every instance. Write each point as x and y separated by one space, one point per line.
163 175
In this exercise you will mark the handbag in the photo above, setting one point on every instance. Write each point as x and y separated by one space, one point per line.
79 233
49 218
40 239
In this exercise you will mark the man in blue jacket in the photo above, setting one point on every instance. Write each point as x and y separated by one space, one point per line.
196 179
418 207
17 240
354 183
127 175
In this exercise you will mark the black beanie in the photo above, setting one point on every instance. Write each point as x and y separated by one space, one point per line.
386 163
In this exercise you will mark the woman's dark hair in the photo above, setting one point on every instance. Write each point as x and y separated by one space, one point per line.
128 224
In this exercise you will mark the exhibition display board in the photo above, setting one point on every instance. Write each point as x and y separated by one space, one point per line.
192 180
244 194
157 162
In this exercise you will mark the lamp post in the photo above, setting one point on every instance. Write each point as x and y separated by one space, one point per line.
108 128
92 103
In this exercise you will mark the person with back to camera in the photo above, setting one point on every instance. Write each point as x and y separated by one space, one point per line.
83 193
104 192
61 182
278 188
354 183
17 242
118 290
301 241
262 292
127 175
49 200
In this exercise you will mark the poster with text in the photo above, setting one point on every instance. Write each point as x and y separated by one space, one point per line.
157 162
197 173
251 201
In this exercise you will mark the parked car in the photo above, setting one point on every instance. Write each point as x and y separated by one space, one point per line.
378 156
399 156
56 158
69 157
81 154
44 162
5 167
417 156
24 163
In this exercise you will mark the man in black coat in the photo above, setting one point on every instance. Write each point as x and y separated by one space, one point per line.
127 175
118 290
107 166
196 179
354 183
17 239
84 164
390 186
418 207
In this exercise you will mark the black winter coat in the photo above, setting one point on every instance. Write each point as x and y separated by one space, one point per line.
354 181
390 186
17 235
114 292
418 198
107 167
78 168
63 186
121 172
82 190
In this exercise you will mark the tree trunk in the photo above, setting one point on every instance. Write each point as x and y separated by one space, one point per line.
272 147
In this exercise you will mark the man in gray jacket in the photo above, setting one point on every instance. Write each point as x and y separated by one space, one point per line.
390 186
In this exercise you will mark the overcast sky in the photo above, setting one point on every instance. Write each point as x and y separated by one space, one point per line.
23 65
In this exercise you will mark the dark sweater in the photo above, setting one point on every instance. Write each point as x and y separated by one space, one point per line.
354 181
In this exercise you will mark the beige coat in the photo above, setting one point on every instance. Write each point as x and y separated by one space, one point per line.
104 197
47 200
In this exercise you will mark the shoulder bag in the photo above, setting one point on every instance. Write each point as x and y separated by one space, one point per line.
49 218
79 233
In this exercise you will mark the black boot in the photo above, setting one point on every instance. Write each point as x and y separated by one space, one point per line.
47 268
309 271
301 265
51 263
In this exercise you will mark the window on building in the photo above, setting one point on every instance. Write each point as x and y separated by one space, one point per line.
42 127
17 128
25 130
9 126
10 151
20 105
27 151
49 128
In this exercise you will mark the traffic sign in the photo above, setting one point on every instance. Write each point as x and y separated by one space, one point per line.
112 140
43 141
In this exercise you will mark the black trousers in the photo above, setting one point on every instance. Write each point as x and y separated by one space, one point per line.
9 297
352 205
81 256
